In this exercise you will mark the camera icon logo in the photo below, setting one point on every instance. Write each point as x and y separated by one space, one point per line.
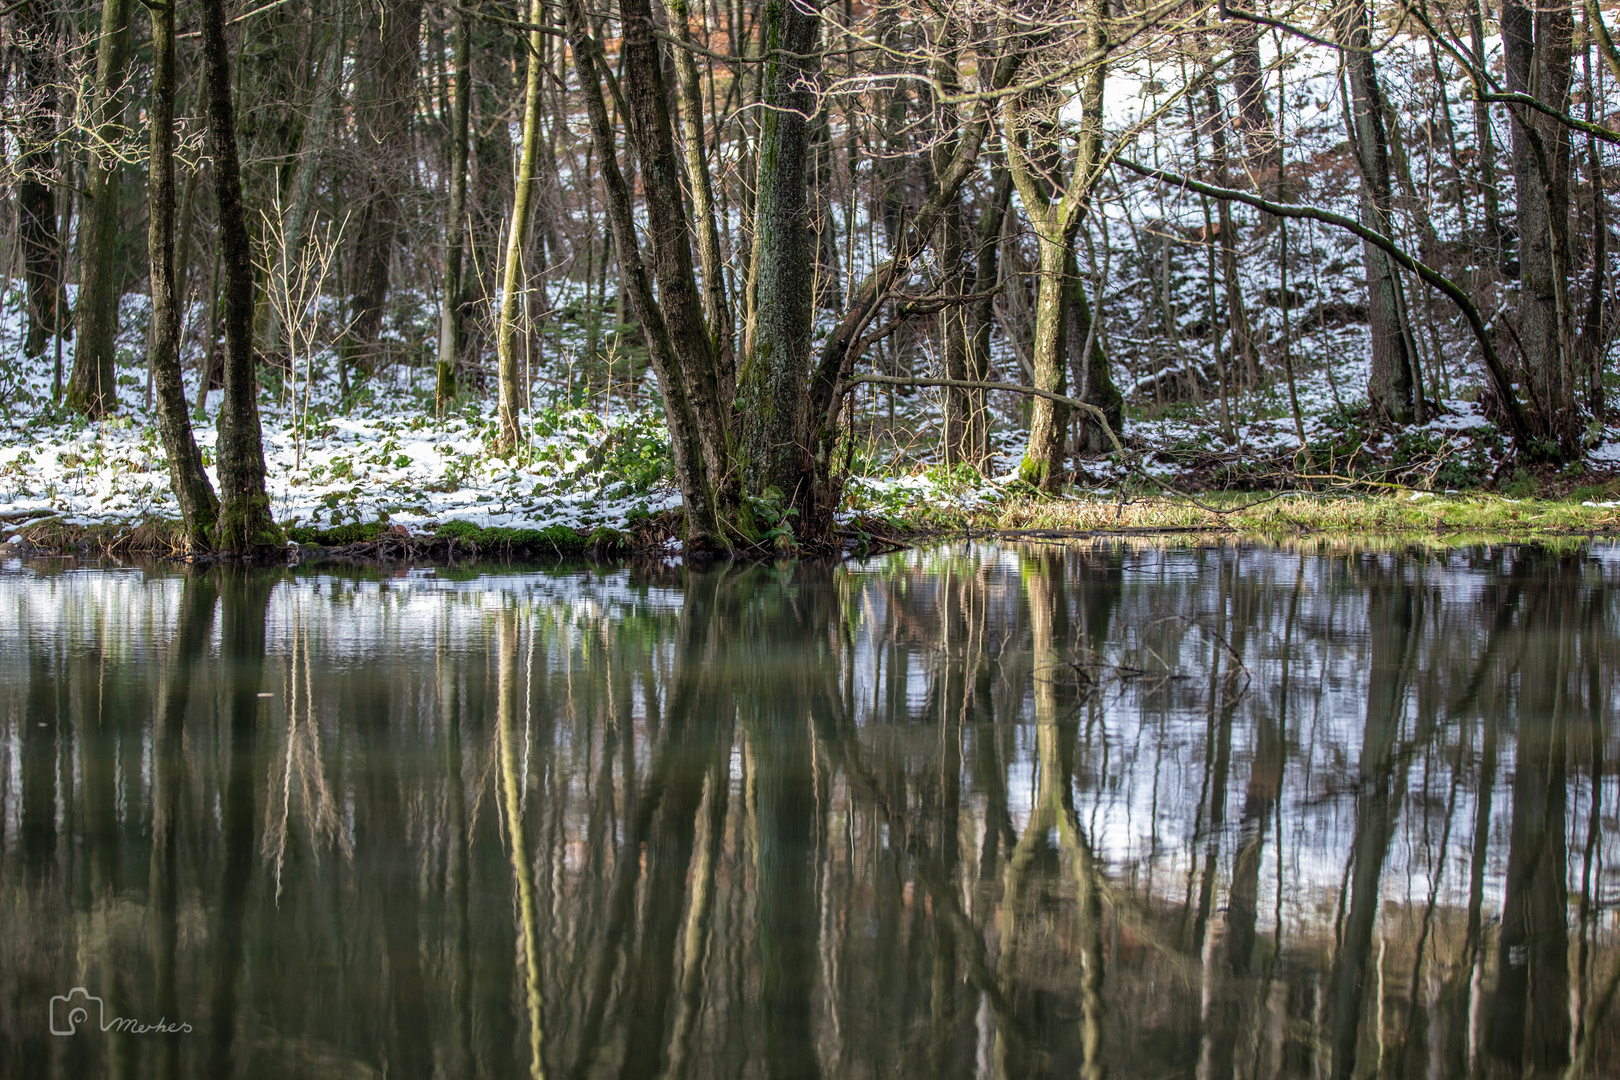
77 1007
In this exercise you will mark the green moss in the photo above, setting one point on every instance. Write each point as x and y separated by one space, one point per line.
245 526
358 533
554 539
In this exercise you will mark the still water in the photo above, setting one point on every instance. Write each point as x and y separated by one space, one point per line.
1075 809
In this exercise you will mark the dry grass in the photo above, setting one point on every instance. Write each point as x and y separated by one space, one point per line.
1453 518
151 537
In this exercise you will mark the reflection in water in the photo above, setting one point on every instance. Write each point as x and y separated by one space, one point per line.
978 812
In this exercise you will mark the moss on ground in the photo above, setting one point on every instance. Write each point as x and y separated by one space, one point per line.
553 539
340 535
1476 515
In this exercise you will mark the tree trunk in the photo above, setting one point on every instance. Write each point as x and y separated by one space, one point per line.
1485 140
716 306
93 388
1590 344
986 276
454 225
192 490
703 528
1089 358
669 233
328 85
385 131
245 526
1390 381
1049 420
771 382
513 279
1237 318
1029 148
1536 47
36 194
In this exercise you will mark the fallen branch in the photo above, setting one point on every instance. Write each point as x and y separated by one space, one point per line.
1501 382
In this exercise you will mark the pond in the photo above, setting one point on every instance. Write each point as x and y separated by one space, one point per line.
985 810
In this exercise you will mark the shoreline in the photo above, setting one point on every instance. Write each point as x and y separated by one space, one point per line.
1285 518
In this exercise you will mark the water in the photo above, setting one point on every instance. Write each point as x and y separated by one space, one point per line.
980 811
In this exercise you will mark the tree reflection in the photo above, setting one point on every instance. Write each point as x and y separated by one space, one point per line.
1064 809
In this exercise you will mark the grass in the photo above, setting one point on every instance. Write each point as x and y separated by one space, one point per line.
1364 522
1477 516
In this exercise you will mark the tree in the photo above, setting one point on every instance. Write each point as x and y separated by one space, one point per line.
455 229
244 526
771 381
514 278
1536 46
1394 383
385 115
1055 206
36 200
93 389
198 505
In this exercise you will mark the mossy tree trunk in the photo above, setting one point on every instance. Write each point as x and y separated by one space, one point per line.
93 388
385 124
1393 380
716 305
36 195
454 227
514 281
1055 211
1536 48
683 400
192 490
245 526
771 383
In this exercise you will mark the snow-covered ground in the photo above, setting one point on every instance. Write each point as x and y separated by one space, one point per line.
596 460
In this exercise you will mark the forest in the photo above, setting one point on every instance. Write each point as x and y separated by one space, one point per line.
753 275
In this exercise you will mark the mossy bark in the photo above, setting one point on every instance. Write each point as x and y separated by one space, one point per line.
192 490
1042 465
445 388
772 381
36 198
245 525
704 530
93 388
513 279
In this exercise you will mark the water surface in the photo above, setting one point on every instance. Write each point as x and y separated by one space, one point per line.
980 811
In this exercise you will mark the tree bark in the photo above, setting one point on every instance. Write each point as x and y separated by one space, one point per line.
1536 47
703 527
716 306
93 388
245 526
668 230
1390 380
192 490
1089 358
514 282
1055 223
1485 140
385 131
454 225
36 195
771 382
986 276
